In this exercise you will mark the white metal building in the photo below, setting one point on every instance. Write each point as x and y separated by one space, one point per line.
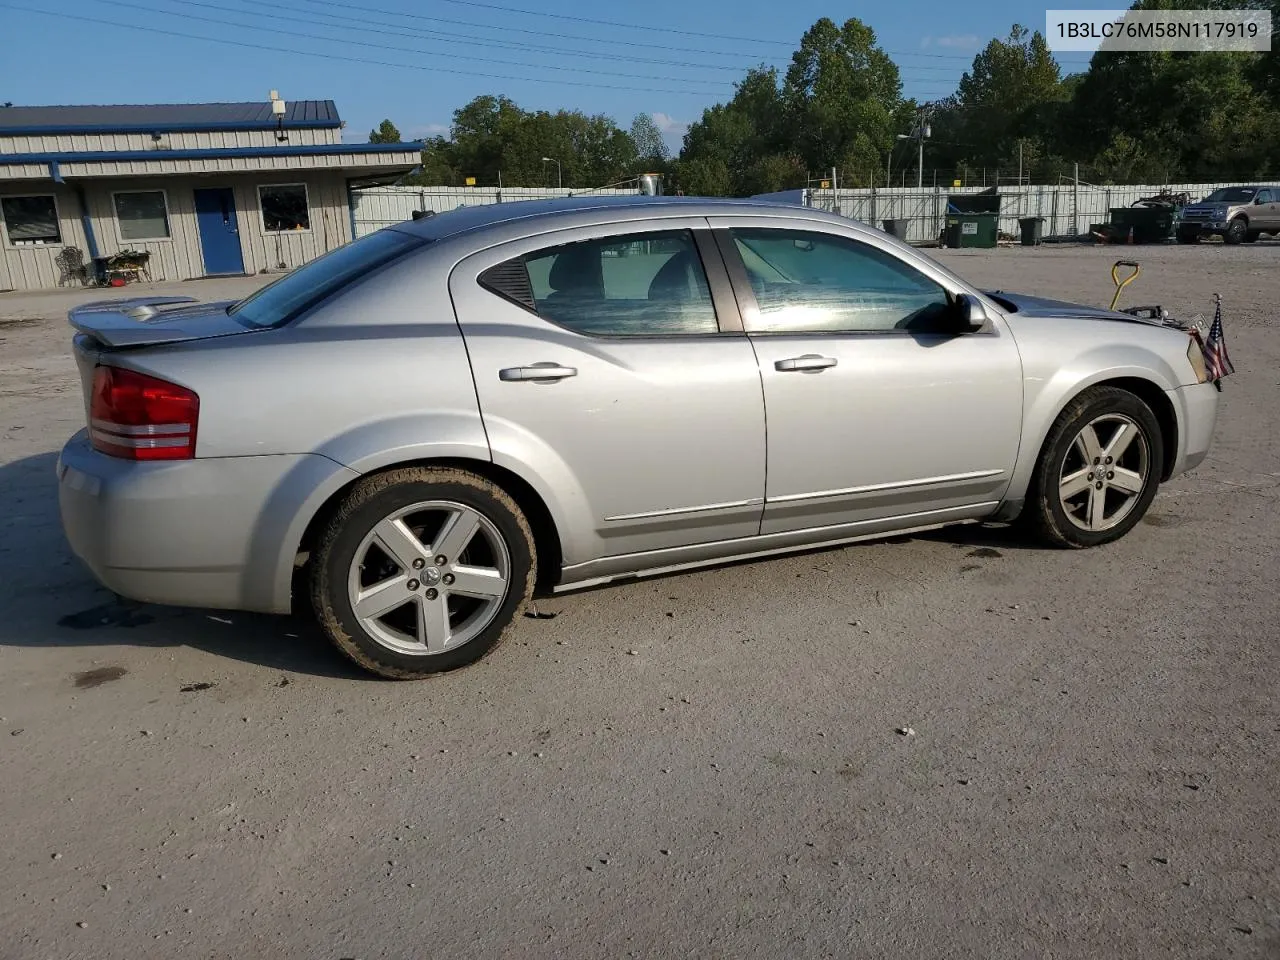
209 189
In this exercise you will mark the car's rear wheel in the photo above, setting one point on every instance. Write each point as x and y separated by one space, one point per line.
1098 472
422 570
1236 231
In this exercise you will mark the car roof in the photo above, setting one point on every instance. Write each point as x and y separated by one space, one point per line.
470 219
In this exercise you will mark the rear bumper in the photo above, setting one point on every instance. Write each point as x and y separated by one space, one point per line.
1197 411
217 532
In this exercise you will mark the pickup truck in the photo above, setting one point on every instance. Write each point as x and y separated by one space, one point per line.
1234 213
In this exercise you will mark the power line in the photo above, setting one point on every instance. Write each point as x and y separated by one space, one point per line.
609 23
399 49
349 23
352 23
601 40
362 10
79 18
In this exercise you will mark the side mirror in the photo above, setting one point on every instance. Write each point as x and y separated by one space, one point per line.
970 315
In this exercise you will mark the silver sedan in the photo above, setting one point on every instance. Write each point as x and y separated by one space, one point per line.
415 431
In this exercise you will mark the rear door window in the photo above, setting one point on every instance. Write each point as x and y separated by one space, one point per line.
643 284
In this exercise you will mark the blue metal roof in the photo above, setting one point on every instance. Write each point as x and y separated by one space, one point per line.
163 117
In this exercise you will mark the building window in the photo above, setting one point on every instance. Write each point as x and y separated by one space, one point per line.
30 221
284 207
142 215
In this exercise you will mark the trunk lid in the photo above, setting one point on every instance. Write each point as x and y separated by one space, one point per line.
150 321
105 327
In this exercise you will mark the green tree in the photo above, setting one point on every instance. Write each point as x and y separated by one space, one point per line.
728 150
842 99
1013 92
647 138
386 133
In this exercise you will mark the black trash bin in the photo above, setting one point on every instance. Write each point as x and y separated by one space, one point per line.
1032 230
897 228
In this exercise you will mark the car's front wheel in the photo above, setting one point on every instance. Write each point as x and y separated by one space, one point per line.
1098 472
1236 232
422 570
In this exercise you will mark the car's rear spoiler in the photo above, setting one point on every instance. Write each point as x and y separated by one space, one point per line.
139 322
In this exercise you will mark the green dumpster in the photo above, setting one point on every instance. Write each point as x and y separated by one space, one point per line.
971 229
1149 224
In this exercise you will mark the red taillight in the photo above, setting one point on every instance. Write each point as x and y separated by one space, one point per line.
138 417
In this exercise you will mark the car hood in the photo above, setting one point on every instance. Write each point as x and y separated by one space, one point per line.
1026 305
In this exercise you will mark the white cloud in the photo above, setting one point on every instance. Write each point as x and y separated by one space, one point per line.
670 126
962 41
427 130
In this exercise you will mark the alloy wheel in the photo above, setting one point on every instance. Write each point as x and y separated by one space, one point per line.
429 577
1104 472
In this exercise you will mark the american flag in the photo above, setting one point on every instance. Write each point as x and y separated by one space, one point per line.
1217 363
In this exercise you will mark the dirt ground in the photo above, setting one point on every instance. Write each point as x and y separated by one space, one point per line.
704 765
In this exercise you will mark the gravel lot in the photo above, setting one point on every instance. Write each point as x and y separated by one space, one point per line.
700 765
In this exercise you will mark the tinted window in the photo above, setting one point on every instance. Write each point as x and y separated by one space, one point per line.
817 282
1264 196
643 284
281 301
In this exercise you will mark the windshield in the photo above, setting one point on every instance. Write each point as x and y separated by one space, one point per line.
279 302
1231 195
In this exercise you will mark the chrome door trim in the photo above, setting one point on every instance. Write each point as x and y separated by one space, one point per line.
683 511
881 487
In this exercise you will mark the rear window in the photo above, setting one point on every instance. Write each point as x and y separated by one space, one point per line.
279 302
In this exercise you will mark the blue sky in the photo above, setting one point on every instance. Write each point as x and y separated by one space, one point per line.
435 55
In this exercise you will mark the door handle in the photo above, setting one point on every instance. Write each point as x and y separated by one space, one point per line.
810 361
538 371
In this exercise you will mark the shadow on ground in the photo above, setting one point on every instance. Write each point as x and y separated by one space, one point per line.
49 599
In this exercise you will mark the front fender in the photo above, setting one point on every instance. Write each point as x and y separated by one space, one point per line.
1050 384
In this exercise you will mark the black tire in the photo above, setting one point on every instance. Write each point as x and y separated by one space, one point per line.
1237 230
1043 515
378 497
1252 236
1189 236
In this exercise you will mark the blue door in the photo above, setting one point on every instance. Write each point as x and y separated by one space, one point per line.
219 231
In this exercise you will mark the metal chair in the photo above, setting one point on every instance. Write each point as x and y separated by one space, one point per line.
71 264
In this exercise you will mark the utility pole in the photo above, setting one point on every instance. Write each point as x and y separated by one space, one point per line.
1075 203
922 131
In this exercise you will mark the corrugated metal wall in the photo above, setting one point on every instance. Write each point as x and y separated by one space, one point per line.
1067 210
180 257
80 143
378 207
34 267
